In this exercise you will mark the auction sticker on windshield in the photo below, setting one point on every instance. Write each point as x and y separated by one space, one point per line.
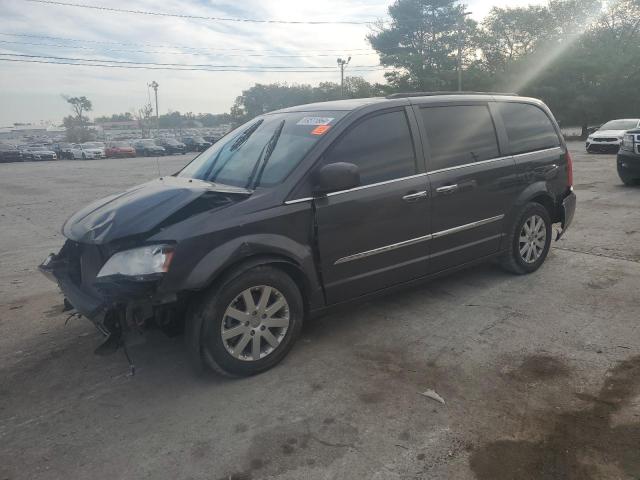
315 121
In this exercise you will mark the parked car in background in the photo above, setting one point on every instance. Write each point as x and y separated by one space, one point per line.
210 138
609 136
36 153
148 148
9 153
85 152
628 160
95 146
63 150
172 146
304 209
196 143
119 149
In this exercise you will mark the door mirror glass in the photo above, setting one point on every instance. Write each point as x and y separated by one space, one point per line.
337 176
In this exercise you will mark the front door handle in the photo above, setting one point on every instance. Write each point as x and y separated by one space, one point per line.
414 197
447 189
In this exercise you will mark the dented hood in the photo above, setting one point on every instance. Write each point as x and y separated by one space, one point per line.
146 207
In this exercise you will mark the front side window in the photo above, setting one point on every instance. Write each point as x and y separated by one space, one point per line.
528 128
380 146
263 151
459 135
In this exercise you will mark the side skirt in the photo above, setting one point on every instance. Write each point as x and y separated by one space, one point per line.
401 286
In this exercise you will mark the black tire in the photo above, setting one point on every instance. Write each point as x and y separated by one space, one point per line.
513 260
204 322
628 180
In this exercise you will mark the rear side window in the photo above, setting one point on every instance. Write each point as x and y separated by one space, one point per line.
528 128
459 135
380 146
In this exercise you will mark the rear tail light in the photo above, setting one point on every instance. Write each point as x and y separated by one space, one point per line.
569 169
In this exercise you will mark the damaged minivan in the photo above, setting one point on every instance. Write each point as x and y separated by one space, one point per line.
312 207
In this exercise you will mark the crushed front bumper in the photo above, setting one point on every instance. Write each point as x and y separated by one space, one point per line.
57 269
120 308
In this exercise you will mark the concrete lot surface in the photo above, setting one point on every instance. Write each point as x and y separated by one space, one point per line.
540 374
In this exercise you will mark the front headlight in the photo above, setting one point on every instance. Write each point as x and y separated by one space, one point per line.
139 262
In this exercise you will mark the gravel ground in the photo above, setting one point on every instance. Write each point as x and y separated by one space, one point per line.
540 374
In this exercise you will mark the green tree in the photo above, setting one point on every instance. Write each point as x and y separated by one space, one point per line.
76 125
594 77
509 34
422 40
262 98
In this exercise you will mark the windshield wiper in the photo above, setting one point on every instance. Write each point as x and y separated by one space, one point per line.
235 146
241 140
264 157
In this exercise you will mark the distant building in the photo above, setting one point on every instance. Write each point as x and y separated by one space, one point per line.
26 132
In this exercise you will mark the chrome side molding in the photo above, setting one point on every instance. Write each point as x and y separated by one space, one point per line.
413 241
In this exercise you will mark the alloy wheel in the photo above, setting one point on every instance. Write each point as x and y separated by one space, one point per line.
533 239
255 323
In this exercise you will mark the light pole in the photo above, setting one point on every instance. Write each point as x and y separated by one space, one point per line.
155 86
342 64
463 14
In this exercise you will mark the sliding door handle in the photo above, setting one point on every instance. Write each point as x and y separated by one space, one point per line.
414 197
447 189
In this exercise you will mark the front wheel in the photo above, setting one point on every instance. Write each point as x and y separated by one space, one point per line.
249 323
529 240
626 178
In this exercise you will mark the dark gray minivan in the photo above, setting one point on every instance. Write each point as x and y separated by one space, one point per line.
311 207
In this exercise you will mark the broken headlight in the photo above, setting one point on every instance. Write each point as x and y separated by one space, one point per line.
139 262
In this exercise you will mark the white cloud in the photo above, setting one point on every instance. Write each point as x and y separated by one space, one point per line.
31 92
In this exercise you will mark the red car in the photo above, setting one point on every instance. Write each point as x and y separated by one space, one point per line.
119 149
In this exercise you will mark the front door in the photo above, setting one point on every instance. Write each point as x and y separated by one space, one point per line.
375 235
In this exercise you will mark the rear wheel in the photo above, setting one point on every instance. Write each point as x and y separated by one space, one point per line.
529 240
249 323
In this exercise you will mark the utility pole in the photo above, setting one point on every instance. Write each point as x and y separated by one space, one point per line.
463 14
342 64
155 86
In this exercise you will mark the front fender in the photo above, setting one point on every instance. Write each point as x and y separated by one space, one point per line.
241 248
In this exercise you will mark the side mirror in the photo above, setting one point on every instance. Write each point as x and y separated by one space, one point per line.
337 176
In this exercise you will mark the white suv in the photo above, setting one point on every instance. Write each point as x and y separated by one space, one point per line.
609 136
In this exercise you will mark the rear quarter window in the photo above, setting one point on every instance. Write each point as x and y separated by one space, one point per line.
528 128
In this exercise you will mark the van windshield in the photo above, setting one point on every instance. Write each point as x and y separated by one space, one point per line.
263 151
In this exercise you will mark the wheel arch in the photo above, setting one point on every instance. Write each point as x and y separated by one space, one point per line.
548 203
194 323
537 193
282 262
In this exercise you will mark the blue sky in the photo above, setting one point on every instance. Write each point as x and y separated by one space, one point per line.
32 92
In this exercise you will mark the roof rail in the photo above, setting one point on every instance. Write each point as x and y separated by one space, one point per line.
433 94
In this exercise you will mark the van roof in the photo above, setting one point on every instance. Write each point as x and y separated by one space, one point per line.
399 98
